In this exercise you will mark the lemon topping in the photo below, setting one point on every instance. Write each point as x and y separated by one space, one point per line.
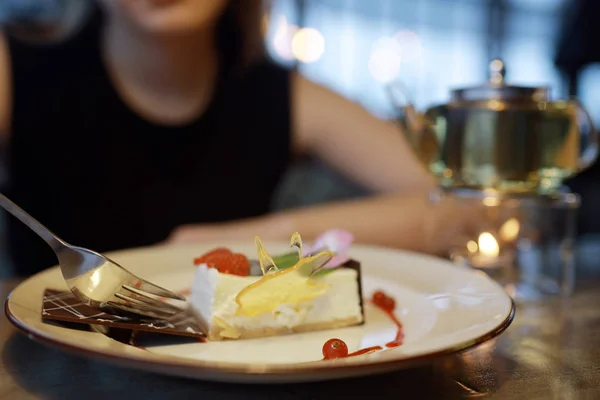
276 287
264 259
296 241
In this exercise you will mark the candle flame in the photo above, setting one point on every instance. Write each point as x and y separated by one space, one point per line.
510 229
488 246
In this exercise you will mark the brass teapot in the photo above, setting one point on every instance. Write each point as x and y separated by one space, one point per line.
502 137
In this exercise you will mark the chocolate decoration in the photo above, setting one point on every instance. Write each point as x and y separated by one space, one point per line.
65 307
355 265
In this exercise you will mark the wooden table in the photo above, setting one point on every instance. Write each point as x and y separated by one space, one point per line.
551 351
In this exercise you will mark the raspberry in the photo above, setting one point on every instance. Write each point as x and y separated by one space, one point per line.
225 262
207 257
235 264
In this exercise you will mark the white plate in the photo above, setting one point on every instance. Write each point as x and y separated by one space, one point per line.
444 309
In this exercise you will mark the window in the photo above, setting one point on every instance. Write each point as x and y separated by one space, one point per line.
431 46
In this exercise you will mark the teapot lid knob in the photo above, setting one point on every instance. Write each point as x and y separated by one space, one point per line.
497 89
497 70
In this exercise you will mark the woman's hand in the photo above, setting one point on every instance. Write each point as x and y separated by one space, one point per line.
407 222
196 234
267 227
206 233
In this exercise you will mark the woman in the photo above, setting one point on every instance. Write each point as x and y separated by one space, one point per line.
161 120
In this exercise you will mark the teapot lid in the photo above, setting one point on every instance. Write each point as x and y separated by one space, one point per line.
496 89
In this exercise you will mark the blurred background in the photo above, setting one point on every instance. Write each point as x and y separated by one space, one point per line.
357 47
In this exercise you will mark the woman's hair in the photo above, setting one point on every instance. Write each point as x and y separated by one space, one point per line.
239 33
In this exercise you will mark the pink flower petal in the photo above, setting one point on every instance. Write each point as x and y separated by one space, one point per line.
335 240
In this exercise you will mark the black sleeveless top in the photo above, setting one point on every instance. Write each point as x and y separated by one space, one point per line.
100 176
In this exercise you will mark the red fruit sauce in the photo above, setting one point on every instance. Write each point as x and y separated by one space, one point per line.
336 348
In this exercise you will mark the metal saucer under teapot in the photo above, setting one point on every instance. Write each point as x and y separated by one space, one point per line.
502 137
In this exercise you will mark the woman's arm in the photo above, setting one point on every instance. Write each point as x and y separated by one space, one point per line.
5 89
405 221
368 151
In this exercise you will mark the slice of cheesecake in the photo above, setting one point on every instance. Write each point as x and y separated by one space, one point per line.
230 302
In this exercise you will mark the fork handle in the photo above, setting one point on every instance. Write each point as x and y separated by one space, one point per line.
43 232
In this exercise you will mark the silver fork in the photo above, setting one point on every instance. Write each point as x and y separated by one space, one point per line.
98 281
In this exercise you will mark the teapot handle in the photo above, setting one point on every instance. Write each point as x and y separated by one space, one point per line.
399 96
590 152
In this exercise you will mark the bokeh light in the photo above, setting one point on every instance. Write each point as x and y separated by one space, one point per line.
282 39
308 45
410 45
386 60
390 53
